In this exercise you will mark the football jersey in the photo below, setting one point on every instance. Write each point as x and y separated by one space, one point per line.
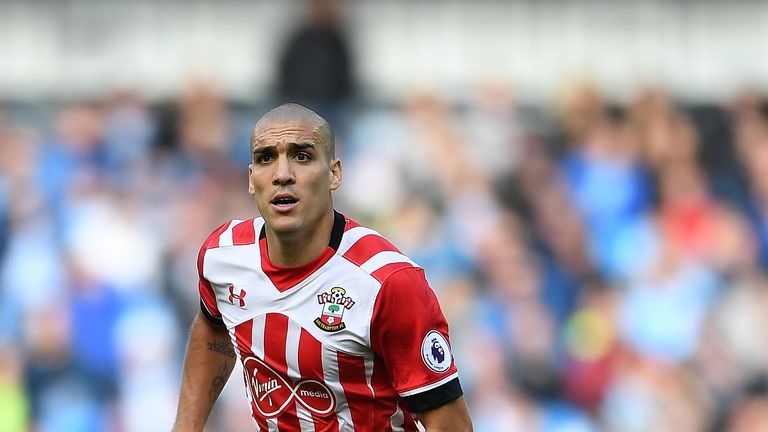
352 341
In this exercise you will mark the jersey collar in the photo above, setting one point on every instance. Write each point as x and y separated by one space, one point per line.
286 277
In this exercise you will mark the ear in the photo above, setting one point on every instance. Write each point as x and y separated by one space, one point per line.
335 174
251 189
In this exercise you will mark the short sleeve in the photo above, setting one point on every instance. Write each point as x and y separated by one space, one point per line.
207 296
410 334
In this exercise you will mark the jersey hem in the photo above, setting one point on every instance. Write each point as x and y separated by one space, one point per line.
429 386
435 397
209 316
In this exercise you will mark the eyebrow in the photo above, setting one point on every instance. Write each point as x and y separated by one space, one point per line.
291 147
301 146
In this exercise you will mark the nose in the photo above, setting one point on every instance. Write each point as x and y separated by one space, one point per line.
283 172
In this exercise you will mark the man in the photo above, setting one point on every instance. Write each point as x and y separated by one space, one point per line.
317 64
335 328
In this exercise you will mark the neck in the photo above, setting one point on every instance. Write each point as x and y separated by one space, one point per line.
295 249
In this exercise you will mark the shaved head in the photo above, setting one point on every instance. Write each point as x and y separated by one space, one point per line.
292 113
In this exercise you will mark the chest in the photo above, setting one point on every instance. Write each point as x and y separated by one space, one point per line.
334 303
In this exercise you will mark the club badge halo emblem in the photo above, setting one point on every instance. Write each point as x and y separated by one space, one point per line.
334 303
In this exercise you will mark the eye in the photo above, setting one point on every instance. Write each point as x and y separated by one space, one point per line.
264 158
302 157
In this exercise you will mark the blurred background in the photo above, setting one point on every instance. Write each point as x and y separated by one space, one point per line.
585 183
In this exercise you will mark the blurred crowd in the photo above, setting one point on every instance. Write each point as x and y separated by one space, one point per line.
602 266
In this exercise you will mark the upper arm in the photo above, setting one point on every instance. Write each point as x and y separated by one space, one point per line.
410 334
451 417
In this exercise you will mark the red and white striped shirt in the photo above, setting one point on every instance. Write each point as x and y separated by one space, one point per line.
353 341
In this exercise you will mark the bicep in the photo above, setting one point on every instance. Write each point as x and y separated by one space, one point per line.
211 335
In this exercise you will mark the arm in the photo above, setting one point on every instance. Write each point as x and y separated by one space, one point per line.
207 366
451 417
417 353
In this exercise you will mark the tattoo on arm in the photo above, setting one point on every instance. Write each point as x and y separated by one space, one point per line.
221 346
217 385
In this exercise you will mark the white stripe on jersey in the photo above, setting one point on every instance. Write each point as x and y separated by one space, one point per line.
257 224
383 258
430 386
352 236
333 381
292 362
225 239
397 419
272 423
257 347
369 373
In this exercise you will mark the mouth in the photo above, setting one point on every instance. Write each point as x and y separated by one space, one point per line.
284 202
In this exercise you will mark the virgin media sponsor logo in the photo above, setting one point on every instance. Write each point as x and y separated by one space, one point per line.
272 393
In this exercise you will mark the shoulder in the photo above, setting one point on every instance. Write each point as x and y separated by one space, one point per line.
233 233
406 284
372 252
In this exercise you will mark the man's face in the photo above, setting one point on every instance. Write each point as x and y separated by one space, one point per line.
291 176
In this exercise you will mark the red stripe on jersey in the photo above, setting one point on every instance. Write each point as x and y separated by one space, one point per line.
204 287
244 338
285 278
244 344
368 246
409 423
311 367
386 394
275 336
383 273
358 394
208 297
244 233
349 224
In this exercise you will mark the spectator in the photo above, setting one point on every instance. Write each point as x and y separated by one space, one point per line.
316 66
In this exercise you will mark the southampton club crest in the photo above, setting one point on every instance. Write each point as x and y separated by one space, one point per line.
334 303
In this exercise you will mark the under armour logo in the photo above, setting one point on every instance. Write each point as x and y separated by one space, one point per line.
239 296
